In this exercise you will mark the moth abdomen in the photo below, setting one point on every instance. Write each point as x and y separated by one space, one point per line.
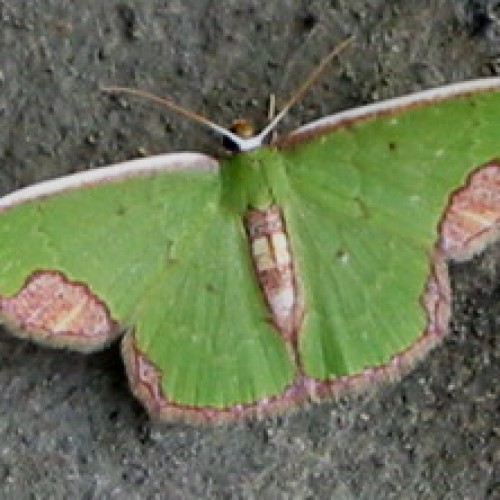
274 268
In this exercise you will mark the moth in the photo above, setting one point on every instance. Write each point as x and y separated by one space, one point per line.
298 267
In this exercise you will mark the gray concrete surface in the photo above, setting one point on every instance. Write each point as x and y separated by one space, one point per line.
69 428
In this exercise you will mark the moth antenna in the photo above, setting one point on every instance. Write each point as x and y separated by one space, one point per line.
306 85
165 101
241 143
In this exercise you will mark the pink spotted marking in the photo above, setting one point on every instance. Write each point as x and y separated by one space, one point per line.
474 211
274 268
59 310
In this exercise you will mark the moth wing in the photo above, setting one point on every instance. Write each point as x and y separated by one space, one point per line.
148 244
369 193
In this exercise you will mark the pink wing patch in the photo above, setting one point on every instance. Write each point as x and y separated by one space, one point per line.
473 214
59 312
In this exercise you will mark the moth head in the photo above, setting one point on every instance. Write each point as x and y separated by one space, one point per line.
243 128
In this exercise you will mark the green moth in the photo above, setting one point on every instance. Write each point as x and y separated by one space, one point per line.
287 272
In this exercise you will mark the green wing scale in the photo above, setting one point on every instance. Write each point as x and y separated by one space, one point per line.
285 273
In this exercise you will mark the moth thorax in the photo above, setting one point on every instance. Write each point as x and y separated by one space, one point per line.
274 268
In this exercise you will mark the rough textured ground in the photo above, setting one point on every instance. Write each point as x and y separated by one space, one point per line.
68 425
